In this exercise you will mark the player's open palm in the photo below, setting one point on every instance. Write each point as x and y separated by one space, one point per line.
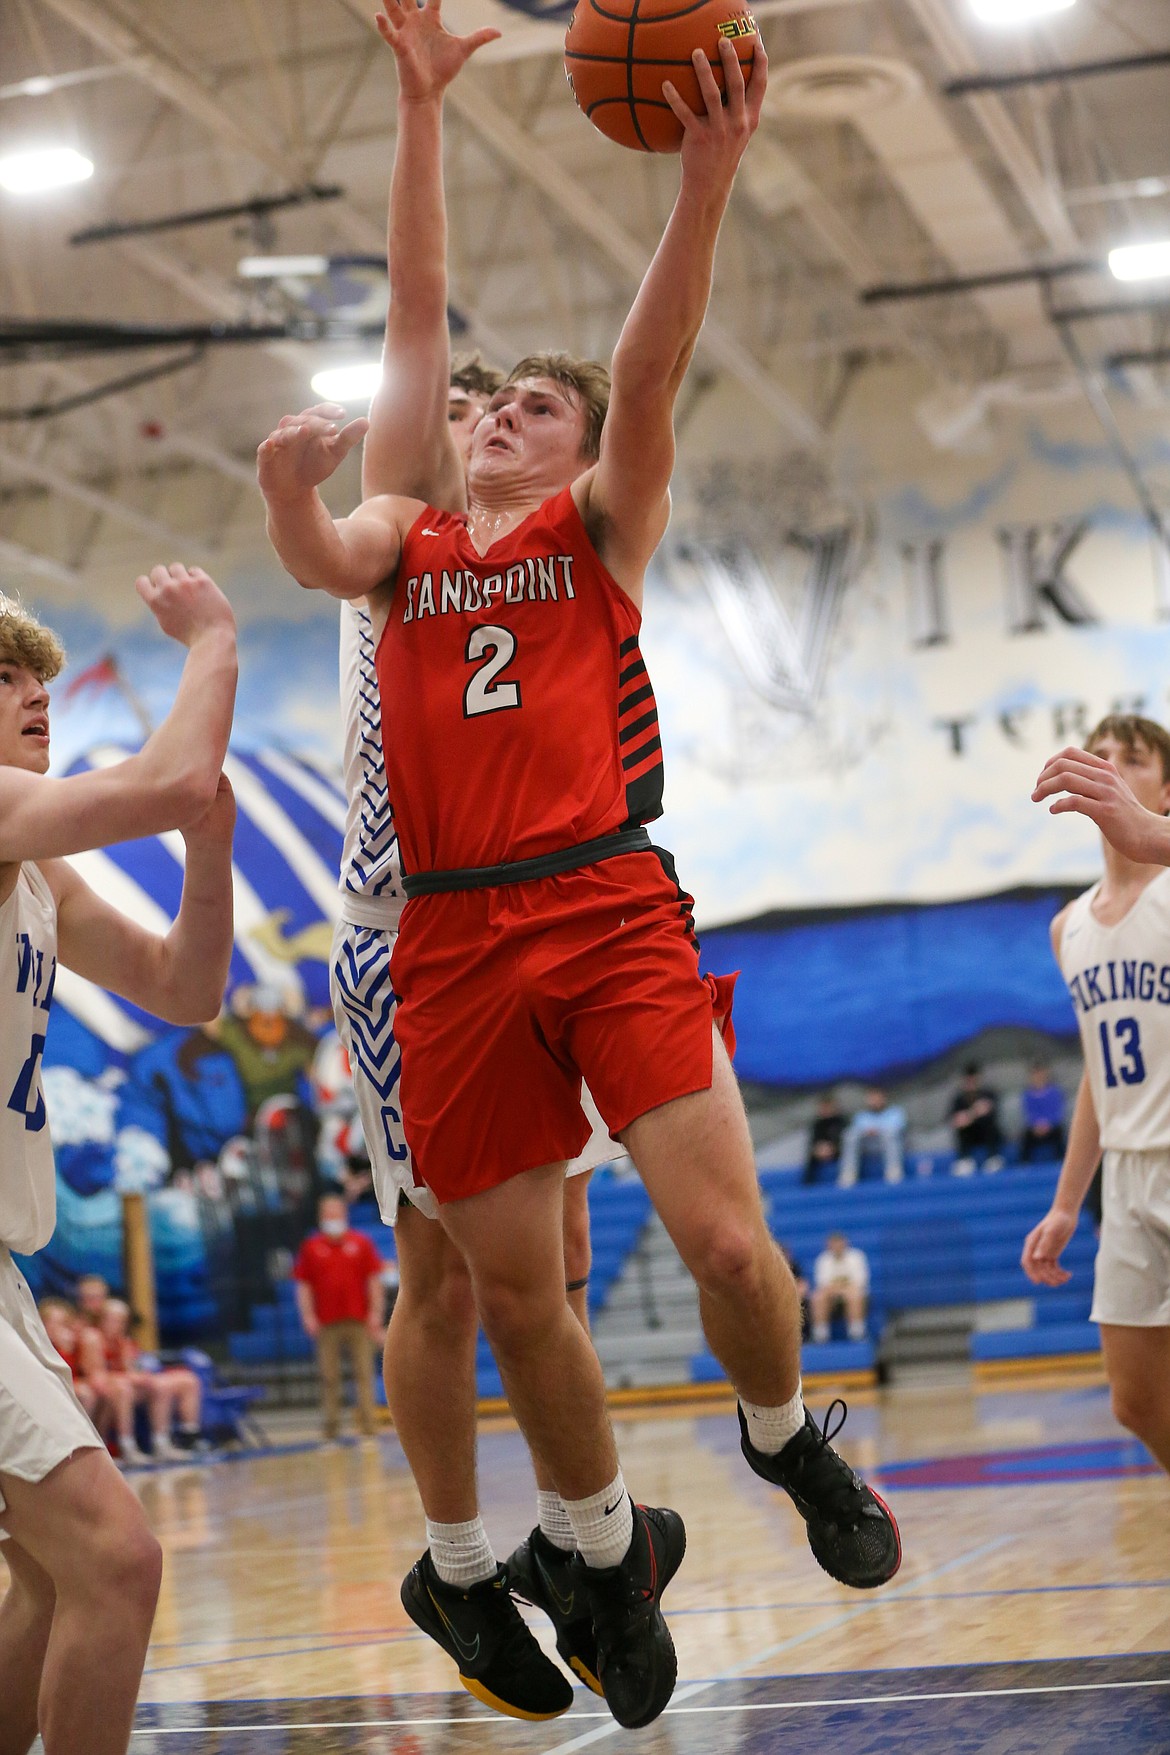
714 143
185 602
1043 1247
427 54
304 450
1078 780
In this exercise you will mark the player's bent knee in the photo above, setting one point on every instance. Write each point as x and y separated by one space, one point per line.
724 1256
1131 1407
512 1315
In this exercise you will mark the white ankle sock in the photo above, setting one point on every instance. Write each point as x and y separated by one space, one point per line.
770 1428
554 1521
603 1524
461 1552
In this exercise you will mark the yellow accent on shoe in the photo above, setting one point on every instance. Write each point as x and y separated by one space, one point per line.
586 1675
505 1706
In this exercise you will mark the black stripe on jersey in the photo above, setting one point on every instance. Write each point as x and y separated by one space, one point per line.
637 726
628 646
627 676
644 797
636 699
638 756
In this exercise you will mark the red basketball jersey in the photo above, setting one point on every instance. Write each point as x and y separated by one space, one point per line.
517 714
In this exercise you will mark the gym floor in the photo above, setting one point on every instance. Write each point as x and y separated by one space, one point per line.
1032 1610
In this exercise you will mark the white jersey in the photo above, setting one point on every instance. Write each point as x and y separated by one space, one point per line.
1119 979
371 874
28 969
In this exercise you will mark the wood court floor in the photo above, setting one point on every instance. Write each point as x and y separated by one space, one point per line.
1032 1611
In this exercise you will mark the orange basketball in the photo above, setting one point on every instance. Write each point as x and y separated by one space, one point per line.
618 52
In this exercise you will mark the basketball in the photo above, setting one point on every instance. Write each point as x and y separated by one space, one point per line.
618 54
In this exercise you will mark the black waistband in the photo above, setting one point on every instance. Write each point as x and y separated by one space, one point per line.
519 871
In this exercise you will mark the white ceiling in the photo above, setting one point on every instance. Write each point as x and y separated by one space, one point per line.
864 173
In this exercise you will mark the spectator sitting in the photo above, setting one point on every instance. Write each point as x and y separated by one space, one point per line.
91 1295
824 1144
840 1282
1043 1135
339 1295
80 1346
975 1119
879 1127
169 1393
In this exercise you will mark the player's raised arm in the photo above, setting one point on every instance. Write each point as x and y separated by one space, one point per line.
172 780
346 557
1078 780
628 496
181 976
408 448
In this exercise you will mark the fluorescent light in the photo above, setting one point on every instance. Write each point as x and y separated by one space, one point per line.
1010 12
43 167
1148 261
354 383
274 267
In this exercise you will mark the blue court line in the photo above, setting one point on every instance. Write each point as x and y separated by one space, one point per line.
672 1711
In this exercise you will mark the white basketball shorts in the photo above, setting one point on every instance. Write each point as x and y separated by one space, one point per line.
363 1010
1131 1287
41 1420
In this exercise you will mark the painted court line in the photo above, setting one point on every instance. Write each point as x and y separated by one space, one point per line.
899 1593
383 1724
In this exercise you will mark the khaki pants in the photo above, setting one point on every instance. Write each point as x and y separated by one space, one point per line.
355 1338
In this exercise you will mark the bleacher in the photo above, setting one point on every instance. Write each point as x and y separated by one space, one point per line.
938 1242
617 1210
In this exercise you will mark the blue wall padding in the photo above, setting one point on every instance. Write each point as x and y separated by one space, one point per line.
865 993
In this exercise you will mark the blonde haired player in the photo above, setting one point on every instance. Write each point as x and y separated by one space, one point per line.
417 441
83 1566
1113 948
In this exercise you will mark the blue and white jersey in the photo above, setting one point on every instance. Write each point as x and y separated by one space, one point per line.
28 972
371 875
1119 980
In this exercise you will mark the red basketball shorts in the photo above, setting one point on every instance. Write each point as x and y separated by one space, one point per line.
507 996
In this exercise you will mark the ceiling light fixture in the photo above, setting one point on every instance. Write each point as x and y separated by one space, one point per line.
1146 261
40 168
277 267
353 383
1017 12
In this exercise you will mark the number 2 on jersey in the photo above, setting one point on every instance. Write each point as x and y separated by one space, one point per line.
1131 1069
483 693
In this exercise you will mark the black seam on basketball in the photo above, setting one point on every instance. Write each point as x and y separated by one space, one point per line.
660 18
620 61
630 75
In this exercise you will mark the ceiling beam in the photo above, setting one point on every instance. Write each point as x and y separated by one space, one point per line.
25 560
12 463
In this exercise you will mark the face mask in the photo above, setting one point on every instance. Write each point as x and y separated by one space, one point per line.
333 1227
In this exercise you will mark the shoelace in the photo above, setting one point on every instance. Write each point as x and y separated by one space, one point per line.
842 1487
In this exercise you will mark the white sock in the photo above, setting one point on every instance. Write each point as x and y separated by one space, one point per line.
461 1552
603 1524
554 1521
820 1333
770 1428
857 1331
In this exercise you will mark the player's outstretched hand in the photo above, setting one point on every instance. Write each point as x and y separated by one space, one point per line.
305 449
185 602
1043 1247
427 54
1077 780
217 824
714 143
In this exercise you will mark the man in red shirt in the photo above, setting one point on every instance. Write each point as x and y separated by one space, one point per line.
339 1295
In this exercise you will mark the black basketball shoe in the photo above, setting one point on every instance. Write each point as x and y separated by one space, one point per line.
542 1574
851 1532
636 1665
497 1656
